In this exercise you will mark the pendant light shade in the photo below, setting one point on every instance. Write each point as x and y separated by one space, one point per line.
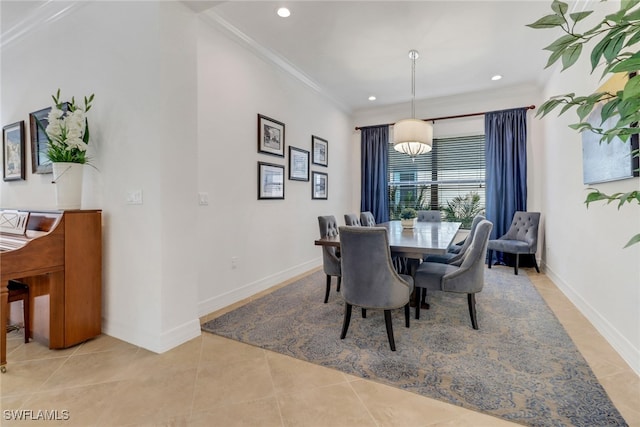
412 136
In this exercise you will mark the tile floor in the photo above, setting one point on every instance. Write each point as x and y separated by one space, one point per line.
213 381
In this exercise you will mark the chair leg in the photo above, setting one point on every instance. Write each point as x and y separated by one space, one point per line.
364 313
387 321
339 283
326 294
515 267
471 299
418 302
27 326
407 314
489 257
535 262
347 319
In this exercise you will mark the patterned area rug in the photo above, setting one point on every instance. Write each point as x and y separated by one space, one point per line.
520 365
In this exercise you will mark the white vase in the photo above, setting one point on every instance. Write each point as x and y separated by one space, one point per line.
408 223
68 180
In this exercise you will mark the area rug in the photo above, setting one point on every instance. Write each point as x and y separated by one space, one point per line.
520 365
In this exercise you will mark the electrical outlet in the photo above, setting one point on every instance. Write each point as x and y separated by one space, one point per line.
234 262
134 197
203 199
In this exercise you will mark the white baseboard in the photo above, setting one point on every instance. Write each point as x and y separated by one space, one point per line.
152 340
620 344
220 301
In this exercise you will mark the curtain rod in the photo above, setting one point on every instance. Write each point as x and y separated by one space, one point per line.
528 107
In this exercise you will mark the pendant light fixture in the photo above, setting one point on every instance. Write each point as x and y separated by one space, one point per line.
412 136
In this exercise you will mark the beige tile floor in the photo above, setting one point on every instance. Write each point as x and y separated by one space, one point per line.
213 381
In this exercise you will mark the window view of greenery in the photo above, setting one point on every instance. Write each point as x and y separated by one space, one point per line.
450 178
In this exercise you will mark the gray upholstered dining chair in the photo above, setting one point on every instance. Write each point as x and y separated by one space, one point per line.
330 256
367 219
456 257
521 238
369 279
468 278
429 216
352 219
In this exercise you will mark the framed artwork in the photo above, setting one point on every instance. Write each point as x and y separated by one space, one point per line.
319 185
319 148
613 161
270 181
298 164
270 136
39 161
13 151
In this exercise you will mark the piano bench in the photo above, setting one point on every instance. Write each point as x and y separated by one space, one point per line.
19 291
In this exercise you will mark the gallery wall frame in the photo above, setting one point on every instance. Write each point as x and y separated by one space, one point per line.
612 161
298 164
271 135
320 150
39 161
13 152
270 181
319 185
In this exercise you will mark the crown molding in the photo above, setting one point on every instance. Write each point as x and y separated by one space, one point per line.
213 19
43 15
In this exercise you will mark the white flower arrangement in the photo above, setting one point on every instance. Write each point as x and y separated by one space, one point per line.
68 130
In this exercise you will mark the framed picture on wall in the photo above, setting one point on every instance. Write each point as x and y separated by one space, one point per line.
319 185
319 147
270 181
39 161
13 151
298 164
270 136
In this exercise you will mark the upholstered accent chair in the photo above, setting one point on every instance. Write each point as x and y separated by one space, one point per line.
455 258
369 279
367 219
330 255
468 278
429 216
521 238
352 219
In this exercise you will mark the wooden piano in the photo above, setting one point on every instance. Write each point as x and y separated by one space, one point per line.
59 255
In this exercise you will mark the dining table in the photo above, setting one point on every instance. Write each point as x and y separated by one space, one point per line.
423 239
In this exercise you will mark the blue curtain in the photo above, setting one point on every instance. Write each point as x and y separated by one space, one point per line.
506 167
374 141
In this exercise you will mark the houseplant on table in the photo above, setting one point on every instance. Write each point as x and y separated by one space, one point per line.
408 217
67 136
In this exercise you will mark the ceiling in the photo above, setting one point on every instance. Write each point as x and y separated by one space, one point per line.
350 50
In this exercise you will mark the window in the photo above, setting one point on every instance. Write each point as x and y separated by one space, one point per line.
450 178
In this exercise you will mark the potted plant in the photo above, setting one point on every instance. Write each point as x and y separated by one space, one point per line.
67 134
408 216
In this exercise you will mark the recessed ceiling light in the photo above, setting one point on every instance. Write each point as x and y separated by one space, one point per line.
283 12
496 77
372 98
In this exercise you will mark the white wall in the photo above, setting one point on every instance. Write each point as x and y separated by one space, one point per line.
271 239
139 58
584 252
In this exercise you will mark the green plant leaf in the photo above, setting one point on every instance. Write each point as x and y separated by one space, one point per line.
628 65
635 239
632 88
559 7
579 16
571 55
562 42
613 48
553 58
548 21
